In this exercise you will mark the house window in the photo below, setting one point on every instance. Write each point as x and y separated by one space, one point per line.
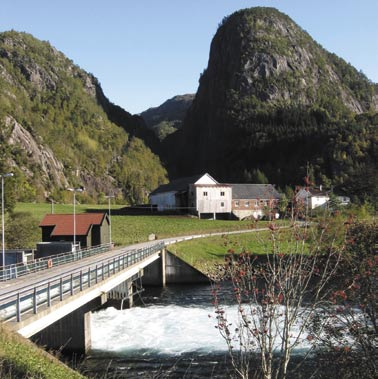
222 204
236 203
246 204
222 193
204 193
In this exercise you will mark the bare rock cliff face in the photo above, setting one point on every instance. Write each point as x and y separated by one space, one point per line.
51 170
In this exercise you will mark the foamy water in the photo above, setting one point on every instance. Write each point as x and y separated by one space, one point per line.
169 329
173 335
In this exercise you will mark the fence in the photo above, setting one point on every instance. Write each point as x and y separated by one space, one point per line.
20 269
30 298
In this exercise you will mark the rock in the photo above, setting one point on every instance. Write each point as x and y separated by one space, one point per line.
152 237
50 168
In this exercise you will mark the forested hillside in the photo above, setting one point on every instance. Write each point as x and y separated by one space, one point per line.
271 106
273 103
167 117
57 129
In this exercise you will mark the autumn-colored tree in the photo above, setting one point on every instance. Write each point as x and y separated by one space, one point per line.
277 296
351 338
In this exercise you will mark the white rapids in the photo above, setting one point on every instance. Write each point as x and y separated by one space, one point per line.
168 329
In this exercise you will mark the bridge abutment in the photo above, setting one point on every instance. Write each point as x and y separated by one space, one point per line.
70 334
155 273
170 269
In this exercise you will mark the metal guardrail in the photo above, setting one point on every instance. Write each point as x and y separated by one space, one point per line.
30 298
20 269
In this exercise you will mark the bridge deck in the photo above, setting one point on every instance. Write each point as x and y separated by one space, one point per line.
32 279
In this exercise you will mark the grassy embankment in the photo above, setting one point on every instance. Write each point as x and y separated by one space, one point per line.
206 253
21 359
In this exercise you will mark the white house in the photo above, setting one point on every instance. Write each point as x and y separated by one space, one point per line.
203 196
208 197
344 200
200 195
312 197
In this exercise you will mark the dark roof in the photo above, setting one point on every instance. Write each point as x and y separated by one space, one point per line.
177 185
64 223
254 191
214 185
315 192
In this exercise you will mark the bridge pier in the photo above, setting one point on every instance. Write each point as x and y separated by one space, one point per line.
70 334
124 291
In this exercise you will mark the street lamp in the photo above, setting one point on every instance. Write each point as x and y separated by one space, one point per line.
110 221
74 190
2 212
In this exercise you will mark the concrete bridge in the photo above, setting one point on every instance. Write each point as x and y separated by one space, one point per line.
52 306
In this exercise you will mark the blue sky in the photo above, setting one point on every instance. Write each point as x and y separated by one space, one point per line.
146 51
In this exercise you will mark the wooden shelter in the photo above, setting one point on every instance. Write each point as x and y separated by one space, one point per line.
92 229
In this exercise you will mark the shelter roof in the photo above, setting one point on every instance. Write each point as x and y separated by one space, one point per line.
64 223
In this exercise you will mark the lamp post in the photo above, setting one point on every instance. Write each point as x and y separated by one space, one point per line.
110 221
2 212
74 190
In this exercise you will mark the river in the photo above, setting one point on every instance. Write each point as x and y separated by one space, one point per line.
170 333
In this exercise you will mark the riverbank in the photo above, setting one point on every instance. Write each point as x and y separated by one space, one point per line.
206 254
22 359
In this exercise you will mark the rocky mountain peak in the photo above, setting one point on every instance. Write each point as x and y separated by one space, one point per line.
262 53
271 99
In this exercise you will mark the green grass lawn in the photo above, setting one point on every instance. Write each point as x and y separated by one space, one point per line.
132 229
38 210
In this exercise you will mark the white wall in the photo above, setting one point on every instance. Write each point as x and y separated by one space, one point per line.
244 213
209 199
313 201
317 201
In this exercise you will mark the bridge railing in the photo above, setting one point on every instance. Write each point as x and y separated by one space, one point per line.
30 299
19 269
